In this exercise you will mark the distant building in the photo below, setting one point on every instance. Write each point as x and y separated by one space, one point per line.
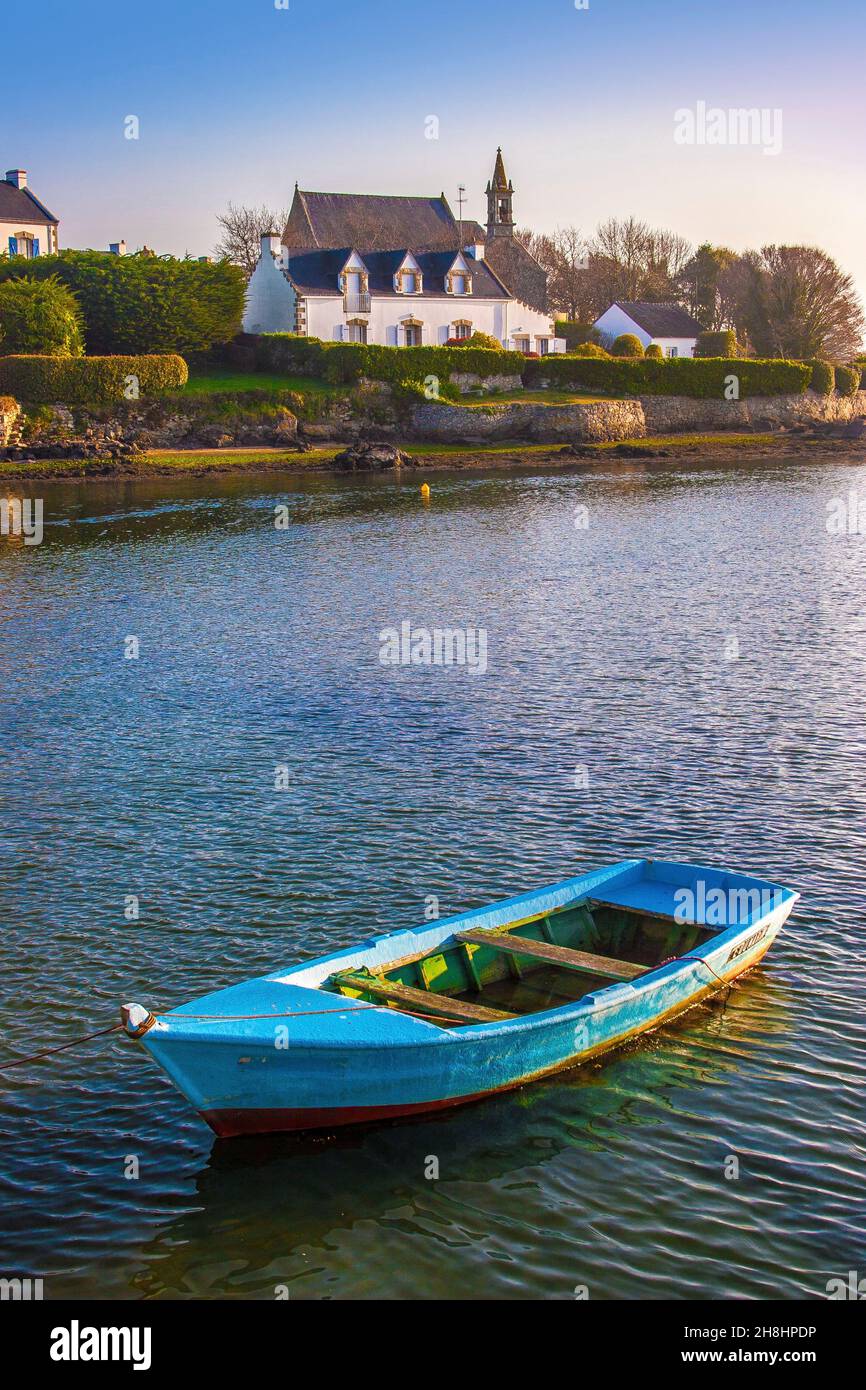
27 228
674 330
369 268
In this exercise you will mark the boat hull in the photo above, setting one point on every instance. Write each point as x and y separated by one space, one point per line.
232 1123
345 1062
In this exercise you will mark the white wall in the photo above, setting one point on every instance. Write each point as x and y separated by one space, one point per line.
386 320
615 321
270 308
685 346
270 302
44 234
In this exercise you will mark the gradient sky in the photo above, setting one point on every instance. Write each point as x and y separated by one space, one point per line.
237 99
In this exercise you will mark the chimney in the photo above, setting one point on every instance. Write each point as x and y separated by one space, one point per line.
273 242
117 248
17 177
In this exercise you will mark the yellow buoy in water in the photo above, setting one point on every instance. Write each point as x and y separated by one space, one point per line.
425 491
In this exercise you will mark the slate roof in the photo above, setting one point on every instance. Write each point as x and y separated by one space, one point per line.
377 221
518 270
316 272
372 222
661 320
20 205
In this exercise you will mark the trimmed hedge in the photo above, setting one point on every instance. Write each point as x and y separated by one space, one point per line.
590 350
722 344
654 351
90 380
627 345
144 303
343 364
700 378
823 377
848 380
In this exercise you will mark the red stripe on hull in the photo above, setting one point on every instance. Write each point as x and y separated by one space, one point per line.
229 1123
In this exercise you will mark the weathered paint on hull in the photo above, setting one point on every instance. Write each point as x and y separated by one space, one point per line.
230 1124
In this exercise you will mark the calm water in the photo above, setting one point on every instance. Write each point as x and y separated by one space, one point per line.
607 651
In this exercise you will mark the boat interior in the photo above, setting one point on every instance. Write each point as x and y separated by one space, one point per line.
528 966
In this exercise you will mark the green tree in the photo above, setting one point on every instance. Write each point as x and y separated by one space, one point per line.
800 304
39 316
704 285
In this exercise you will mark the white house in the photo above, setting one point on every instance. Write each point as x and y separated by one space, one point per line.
668 325
400 271
27 228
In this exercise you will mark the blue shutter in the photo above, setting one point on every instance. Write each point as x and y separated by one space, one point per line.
13 246
36 246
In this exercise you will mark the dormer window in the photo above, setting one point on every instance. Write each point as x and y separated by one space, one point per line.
354 283
407 277
458 281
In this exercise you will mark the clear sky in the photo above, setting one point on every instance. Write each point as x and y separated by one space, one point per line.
236 99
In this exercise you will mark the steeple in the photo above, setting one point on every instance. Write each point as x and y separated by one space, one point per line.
500 196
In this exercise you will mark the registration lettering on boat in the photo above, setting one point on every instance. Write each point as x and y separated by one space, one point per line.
749 942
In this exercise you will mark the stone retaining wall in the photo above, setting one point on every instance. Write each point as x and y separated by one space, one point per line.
673 414
470 381
596 422
9 412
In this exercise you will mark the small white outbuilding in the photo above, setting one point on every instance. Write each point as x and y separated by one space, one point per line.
668 325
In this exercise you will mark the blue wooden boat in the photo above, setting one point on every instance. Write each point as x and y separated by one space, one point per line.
488 1000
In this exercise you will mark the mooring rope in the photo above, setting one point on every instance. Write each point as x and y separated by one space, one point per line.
726 984
50 1051
300 1013
219 1018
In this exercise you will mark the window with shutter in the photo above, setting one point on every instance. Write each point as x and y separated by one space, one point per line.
13 246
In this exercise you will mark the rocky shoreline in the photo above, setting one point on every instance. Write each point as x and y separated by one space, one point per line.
388 459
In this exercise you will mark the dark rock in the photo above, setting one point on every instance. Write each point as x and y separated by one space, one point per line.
856 428
372 458
635 451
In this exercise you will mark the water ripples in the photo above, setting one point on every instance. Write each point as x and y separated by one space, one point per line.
607 650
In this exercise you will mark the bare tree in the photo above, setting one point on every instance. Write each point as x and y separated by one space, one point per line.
565 257
667 253
242 232
631 260
621 248
539 245
570 287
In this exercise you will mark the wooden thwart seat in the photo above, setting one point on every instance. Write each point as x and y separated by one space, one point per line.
419 1000
637 911
554 955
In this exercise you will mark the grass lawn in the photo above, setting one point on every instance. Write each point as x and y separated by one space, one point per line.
224 379
692 441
